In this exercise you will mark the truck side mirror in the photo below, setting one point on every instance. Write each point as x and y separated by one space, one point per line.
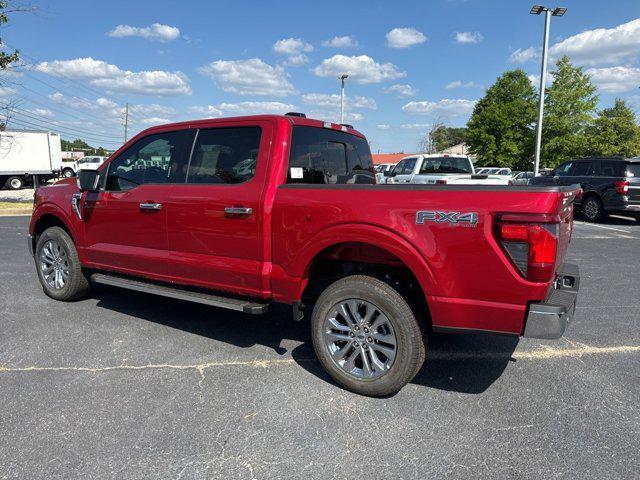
88 180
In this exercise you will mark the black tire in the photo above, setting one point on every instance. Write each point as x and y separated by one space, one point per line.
14 183
592 209
410 340
77 284
68 173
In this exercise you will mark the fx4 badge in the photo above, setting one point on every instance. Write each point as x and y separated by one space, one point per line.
452 218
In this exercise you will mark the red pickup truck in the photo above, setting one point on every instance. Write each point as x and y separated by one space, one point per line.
241 212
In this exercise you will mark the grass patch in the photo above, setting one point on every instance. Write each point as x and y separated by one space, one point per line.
24 206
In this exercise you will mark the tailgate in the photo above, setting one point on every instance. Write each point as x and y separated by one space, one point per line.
565 226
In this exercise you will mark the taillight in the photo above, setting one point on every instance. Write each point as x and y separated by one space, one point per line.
622 187
531 244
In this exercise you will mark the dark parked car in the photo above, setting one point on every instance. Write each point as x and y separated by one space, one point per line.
609 184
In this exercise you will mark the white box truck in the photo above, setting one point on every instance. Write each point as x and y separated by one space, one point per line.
28 157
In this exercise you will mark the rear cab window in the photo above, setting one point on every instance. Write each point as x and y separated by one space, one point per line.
443 165
326 156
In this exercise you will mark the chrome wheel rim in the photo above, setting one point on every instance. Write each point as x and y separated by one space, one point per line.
15 183
54 265
360 339
590 209
67 174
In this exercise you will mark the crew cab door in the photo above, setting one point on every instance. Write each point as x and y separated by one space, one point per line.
215 219
125 222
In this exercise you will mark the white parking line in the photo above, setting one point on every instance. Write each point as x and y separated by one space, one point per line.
603 227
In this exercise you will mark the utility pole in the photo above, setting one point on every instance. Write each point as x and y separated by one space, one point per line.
126 121
342 79
548 12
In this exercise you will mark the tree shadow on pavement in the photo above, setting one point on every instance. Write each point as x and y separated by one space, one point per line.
465 363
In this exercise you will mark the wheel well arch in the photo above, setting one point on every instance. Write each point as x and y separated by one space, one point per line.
590 194
359 257
49 220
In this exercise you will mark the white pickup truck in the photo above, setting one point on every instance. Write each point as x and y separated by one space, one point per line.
438 169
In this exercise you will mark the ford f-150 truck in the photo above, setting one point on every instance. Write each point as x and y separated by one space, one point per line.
242 212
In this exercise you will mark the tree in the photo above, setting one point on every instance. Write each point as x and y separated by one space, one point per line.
443 137
570 106
500 131
426 145
6 59
615 132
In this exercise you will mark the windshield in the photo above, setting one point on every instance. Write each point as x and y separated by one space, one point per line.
445 165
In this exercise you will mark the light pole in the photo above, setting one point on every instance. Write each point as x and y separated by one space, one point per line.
342 79
548 12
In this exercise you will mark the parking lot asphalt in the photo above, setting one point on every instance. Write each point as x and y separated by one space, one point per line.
131 386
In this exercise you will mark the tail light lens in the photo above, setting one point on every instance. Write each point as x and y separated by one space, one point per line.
622 187
531 244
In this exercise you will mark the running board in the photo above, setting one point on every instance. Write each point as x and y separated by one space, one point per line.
245 306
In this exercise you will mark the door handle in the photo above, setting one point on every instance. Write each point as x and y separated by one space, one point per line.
150 206
238 210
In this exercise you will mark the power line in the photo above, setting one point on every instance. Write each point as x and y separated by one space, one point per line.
81 85
88 119
26 124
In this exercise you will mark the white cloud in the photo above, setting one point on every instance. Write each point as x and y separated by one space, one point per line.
156 31
461 84
243 108
292 46
523 56
401 90
415 126
345 41
296 60
602 45
405 37
615 79
445 107
42 112
154 121
106 110
326 100
384 126
111 77
361 69
7 91
249 77
468 37
334 116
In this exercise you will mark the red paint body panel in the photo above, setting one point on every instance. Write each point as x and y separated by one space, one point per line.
467 279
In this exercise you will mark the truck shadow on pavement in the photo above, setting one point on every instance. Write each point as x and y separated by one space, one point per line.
456 362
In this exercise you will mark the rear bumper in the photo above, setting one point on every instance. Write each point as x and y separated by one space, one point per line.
549 319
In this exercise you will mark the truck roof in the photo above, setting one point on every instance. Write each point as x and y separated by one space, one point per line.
294 120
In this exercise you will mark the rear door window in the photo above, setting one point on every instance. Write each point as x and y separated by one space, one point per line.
583 169
224 155
326 156
409 165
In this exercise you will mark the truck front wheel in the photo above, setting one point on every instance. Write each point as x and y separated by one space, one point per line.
58 266
366 336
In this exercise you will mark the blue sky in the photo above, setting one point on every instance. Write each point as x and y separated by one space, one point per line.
410 62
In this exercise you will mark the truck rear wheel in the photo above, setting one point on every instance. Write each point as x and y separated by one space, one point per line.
366 336
14 183
67 173
58 266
